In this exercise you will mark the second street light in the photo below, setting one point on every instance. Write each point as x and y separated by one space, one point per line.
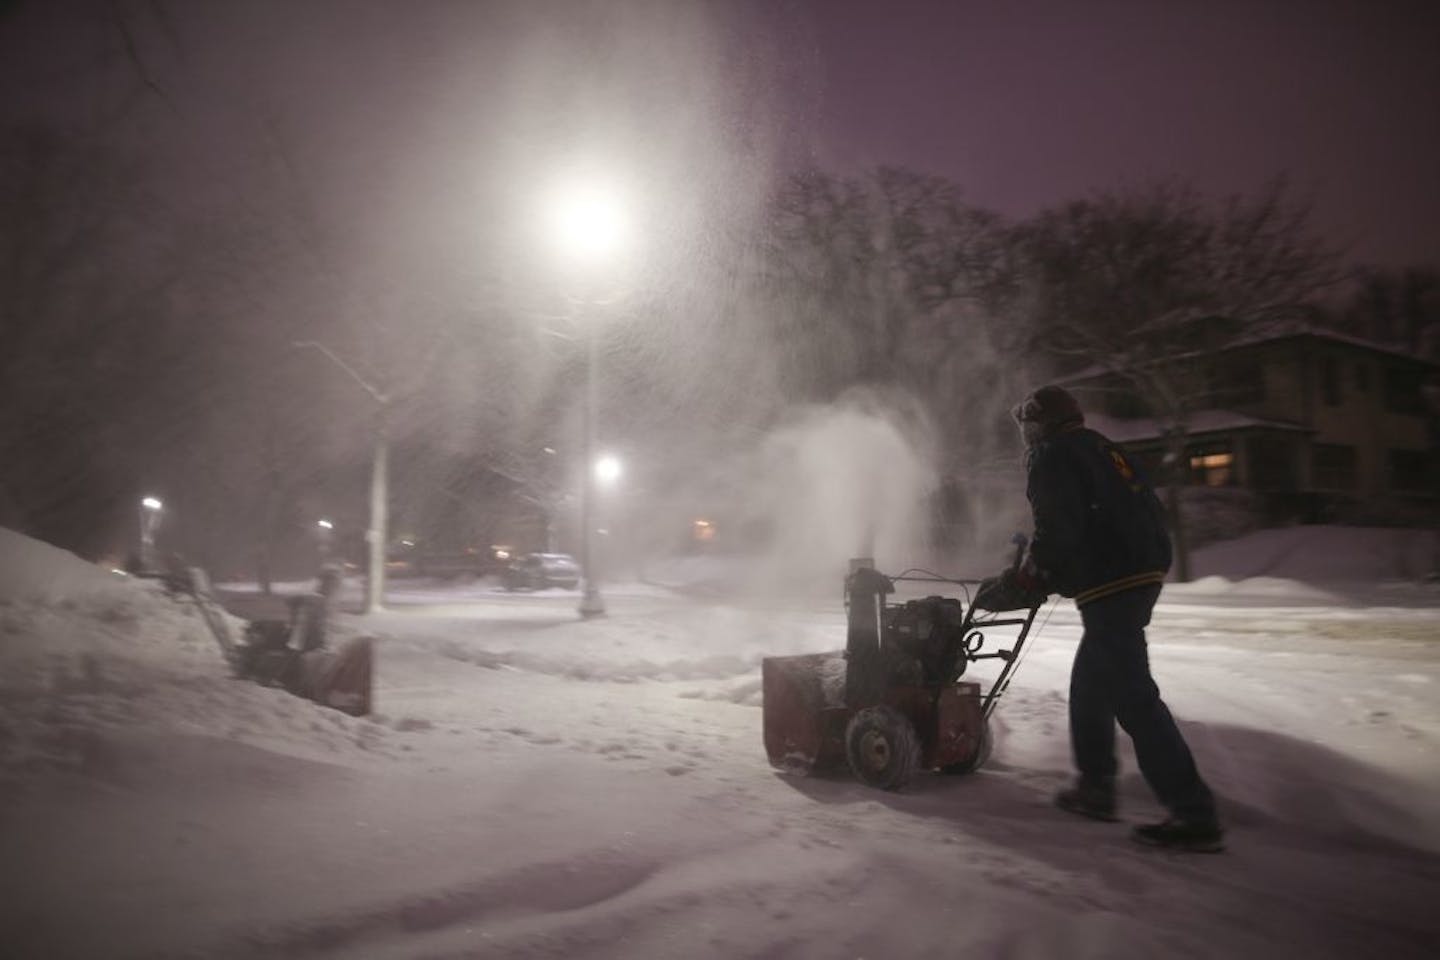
587 222
150 510
324 530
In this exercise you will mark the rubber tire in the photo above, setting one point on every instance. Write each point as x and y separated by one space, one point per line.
881 747
987 743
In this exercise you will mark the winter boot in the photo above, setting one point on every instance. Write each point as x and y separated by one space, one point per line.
1193 836
1089 798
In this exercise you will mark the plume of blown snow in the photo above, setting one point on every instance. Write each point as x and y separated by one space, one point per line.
852 479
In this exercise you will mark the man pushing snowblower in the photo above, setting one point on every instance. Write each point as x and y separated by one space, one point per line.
1100 539
893 703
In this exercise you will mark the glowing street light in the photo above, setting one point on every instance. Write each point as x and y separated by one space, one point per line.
607 470
588 223
324 530
150 510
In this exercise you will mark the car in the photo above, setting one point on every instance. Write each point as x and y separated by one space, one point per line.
537 571
447 565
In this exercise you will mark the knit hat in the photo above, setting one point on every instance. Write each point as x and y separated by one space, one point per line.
1052 407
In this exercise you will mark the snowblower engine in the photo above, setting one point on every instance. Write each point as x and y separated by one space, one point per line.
919 643
924 639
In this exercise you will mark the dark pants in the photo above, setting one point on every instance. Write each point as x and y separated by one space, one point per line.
1111 681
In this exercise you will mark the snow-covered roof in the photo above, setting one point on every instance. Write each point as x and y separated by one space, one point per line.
1272 334
1320 333
1200 422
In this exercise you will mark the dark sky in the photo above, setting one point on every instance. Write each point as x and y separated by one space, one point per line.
1023 102
1027 102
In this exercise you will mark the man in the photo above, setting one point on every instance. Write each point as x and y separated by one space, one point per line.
1100 538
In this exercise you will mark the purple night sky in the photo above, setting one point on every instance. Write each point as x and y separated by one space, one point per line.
1022 103
1029 102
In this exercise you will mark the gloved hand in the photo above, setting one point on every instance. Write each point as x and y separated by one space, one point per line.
1028 578
1015 589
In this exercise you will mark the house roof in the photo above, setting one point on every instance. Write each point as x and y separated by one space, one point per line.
1334 336
1273 334
1199 423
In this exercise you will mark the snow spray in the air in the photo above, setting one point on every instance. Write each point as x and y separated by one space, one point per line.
847 480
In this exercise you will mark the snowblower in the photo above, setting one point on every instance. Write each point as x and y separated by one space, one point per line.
292 653
892 702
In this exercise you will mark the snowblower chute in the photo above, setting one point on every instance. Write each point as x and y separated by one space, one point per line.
892 702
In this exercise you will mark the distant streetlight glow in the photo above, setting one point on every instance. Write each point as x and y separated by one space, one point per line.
150 508
607 470
324 530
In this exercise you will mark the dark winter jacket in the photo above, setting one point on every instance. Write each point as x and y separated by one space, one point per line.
1099 528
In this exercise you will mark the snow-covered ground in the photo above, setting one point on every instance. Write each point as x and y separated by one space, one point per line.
537 786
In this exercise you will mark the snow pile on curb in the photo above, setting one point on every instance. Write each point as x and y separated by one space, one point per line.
88 655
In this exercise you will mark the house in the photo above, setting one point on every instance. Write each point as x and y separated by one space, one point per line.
1316 423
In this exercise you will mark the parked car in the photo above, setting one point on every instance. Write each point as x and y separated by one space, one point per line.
536 571
448 565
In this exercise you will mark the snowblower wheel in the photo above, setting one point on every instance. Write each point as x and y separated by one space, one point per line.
982 753
881 747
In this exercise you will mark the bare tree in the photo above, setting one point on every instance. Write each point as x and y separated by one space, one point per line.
1398 308
86 322
1145 284
888 279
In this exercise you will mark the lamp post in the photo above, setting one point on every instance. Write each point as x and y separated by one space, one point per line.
377 537
588 224
606 471
591 603
150 509
324 530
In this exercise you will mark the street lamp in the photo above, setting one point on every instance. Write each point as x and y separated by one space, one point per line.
588 223
150 508
377 538
324 530
607 470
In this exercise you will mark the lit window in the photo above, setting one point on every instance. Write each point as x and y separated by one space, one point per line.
1212 469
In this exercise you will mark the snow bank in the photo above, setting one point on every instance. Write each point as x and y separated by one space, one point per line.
1322 555
89 657
39 573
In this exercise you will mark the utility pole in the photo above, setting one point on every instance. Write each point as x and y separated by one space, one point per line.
377 535
592 604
